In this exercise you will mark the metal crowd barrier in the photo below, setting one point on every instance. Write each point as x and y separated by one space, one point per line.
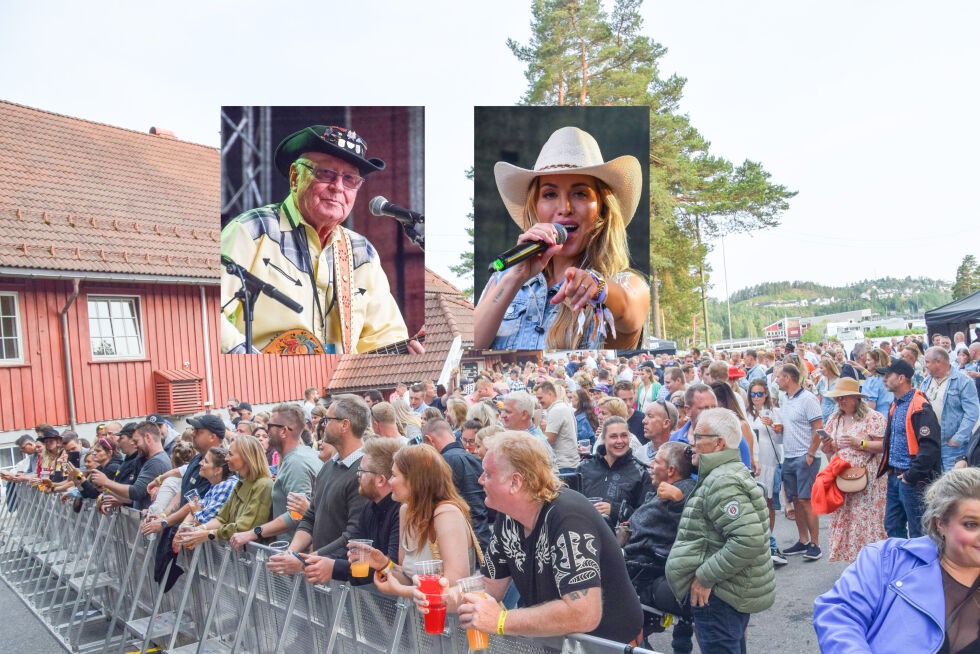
89 577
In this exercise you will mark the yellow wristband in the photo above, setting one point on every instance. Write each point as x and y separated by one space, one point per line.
500 622
862 444
388 567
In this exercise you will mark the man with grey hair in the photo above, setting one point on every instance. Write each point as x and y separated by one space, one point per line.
300 246
953 397
517 414
721 557
336 505
659 420
298 468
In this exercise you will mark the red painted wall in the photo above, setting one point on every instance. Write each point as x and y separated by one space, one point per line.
172 335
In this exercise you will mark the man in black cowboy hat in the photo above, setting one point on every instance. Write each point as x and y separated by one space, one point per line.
300 247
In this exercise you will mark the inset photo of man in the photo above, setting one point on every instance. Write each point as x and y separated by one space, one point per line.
322 241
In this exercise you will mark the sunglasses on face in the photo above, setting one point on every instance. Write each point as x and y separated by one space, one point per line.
757 394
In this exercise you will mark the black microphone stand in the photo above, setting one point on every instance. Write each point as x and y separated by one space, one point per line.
248 294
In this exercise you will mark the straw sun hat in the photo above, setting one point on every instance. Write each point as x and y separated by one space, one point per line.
570 151
845 386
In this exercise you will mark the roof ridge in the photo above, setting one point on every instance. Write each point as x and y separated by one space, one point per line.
171 139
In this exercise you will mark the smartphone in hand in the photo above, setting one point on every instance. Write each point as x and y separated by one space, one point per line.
823 434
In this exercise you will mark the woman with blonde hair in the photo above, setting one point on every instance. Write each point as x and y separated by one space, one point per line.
483 413
434 522
250 504
408 422
879 398
829 374
456 408
579 292
613 406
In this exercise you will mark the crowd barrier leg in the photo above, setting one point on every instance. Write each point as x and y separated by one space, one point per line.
79 551
204 643
97 576
121 597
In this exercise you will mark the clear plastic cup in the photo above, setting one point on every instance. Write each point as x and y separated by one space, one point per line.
476 585
429 573
280 545
359 566
296 515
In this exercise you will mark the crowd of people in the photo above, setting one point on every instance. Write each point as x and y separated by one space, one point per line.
583 486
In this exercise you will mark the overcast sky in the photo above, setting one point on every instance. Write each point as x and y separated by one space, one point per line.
868 111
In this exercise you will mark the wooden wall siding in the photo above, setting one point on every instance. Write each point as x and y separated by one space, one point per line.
172 335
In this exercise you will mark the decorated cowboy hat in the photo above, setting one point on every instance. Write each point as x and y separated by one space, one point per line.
570 151
338 142
845 386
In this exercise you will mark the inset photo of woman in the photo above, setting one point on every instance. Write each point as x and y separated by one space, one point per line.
562 219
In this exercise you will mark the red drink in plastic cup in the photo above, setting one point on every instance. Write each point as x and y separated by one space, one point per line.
435 619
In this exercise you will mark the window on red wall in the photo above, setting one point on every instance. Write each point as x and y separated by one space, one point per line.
115 325
11 345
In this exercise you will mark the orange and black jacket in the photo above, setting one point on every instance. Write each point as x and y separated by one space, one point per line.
924 441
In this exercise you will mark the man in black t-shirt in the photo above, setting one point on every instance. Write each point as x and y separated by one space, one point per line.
562 557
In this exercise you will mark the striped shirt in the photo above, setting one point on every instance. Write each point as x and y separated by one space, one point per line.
799 411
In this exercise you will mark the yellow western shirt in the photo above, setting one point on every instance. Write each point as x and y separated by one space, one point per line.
265 242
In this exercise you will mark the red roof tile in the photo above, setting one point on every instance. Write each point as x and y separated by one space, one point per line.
82 196
448 314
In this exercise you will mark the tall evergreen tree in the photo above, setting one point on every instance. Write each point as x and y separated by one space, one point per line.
464 268
967 277
580 54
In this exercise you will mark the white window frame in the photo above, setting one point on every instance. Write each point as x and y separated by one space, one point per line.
141 331
20 330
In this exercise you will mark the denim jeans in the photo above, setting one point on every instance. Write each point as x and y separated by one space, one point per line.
903 509
720 628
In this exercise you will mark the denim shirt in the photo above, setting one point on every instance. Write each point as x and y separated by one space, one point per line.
530 315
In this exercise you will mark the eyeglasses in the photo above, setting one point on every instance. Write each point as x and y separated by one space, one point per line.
697 436
276 424
757 394
361 472
327 176
332 418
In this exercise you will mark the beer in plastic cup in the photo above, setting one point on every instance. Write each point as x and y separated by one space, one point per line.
296 515
360 567
475 584
429 573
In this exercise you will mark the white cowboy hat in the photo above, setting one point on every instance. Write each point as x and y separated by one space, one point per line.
570 151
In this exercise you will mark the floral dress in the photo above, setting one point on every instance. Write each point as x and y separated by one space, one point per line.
861 519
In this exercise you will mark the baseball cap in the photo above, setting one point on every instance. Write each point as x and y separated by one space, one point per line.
209 421
900 367
128 429
244 406
156 419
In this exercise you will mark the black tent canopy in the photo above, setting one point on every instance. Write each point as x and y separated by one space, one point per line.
955 317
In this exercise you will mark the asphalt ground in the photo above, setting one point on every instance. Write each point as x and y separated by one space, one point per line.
787 626
22 633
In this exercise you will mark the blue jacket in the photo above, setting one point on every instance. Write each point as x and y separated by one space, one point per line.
960 412
891 597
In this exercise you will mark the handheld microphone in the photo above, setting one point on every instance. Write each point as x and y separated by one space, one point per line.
380 206
254 282
413 224
523 251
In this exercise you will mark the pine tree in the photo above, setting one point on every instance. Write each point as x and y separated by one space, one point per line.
464 269
579 54
967 277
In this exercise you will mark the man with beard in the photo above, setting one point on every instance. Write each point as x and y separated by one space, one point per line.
378 521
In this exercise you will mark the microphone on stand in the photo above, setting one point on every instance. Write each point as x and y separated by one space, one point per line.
412 223
523 251
259 285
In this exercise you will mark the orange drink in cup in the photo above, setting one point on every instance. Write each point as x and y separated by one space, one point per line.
475 585
359 566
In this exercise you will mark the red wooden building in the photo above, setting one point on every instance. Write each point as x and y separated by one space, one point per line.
109 275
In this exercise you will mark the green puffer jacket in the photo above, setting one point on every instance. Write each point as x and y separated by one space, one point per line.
723 537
